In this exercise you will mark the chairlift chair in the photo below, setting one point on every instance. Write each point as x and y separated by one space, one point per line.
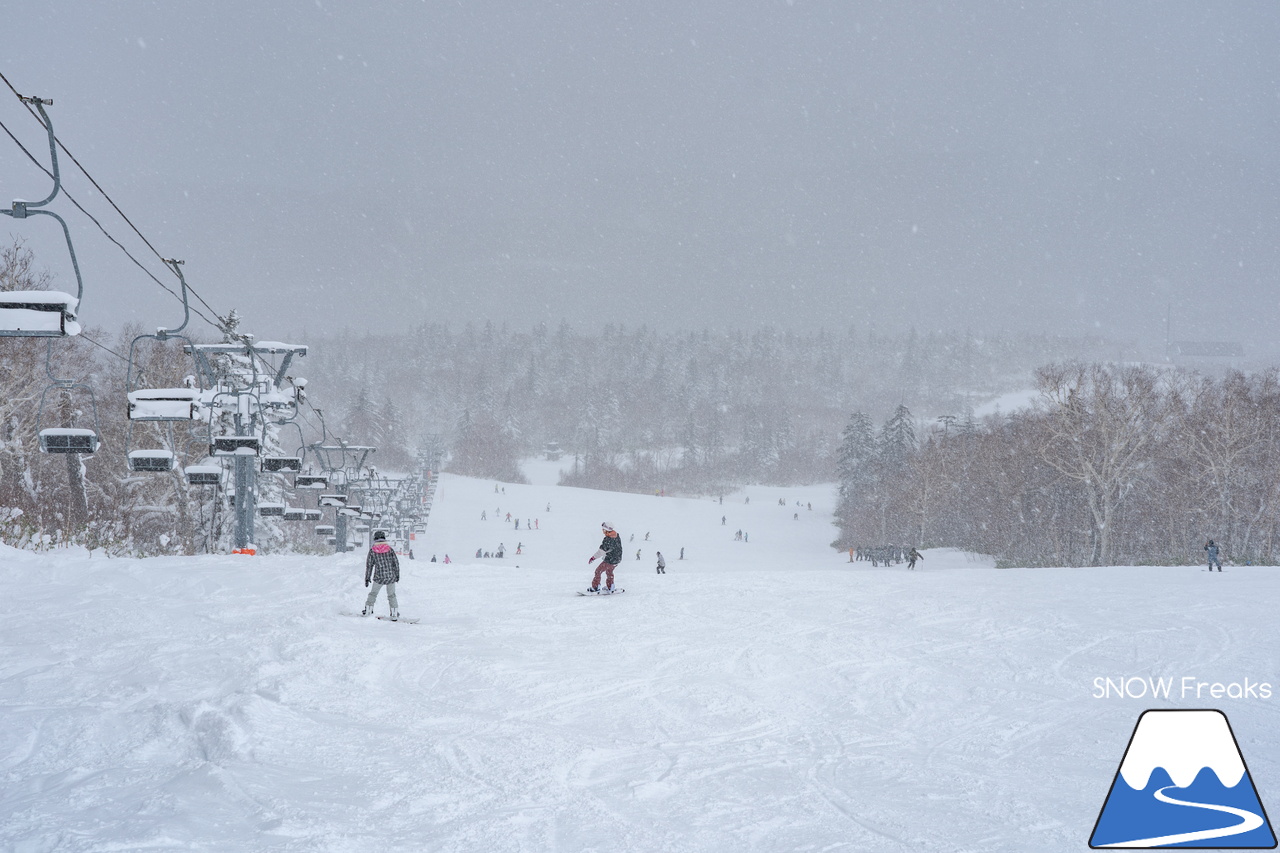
267 510
324 530
203 475
295 514
281 464
312 514
235 445
37 314
151 461
79 440
44 313
310 481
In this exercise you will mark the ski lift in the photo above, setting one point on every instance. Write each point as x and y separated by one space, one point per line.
332 500
164 404
151 461
324 530
267 510
78 440
310 481
281 464
159 405
43 313
295 514
203 475
312 514
235 445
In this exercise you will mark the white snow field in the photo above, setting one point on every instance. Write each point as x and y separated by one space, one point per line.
764 695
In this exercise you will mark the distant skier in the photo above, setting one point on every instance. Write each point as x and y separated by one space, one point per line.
912 556
1211 549
610 555
382 568
662 564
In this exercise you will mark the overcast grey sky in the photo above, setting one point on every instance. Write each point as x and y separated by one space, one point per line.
1066 167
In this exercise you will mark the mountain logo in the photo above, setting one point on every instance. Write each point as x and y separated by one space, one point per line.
1183 783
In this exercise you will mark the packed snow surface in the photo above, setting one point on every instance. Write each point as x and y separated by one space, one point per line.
764 694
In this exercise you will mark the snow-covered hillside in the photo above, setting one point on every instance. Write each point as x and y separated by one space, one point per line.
763 695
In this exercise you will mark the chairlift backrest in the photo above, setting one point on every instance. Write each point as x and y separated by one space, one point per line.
68 440
281 464
37 314
235 445
151 461
203 475
164 404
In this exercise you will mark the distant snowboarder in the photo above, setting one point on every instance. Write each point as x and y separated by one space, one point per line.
610 555
662 564
382 568
1211 550
912 556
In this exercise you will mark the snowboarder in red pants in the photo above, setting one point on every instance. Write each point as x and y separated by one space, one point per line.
610 555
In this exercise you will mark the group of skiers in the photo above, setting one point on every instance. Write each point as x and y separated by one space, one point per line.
883 555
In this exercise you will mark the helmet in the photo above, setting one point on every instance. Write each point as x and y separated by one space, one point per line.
607 526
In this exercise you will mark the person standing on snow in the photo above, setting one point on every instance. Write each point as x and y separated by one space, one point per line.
382 567
1211 549
609 554
912 556
662 564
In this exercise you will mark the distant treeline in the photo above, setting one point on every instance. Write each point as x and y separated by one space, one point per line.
1115 465
641 409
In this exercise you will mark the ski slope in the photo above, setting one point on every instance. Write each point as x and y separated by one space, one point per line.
764 695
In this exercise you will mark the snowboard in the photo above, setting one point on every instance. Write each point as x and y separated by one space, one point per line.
615 592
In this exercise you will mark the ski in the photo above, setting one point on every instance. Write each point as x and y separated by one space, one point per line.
401 619
602 592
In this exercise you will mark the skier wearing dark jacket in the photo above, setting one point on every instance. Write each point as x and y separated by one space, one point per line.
382 568
1211 550
609 554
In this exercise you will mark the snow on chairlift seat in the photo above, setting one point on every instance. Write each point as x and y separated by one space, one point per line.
349 511
68 440
310 481
332 500
270 509
164 404
203 475
312 514
293 513
324 530
234 445
38 314
151 461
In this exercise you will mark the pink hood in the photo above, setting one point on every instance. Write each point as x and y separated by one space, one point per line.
381 548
